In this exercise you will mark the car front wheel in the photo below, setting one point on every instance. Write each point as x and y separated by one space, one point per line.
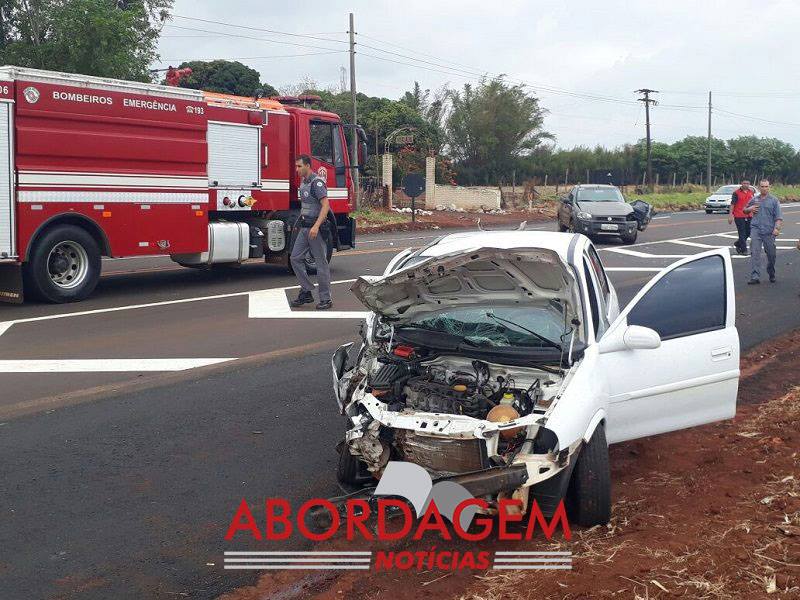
588 499
629 238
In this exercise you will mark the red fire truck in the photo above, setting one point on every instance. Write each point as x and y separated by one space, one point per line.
93 167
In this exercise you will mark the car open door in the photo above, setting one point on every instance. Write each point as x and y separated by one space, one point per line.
690 376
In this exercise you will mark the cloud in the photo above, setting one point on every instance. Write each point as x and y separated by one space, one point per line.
740 49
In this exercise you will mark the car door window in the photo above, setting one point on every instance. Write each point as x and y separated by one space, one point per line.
321 141
596 299
594 303
597 267
665 309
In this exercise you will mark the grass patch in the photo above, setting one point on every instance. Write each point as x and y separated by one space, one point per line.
367 217
695 200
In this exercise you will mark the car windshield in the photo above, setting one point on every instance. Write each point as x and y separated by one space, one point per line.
600 194
498 326
727 189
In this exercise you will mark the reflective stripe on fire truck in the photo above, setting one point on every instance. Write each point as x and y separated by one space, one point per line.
50 196
337 193
104 180
275 185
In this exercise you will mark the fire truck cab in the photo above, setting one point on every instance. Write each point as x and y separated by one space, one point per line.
93 167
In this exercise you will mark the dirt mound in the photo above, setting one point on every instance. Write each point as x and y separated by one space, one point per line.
710 512
442 219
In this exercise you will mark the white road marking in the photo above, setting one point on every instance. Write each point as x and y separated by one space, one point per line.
664 217
638 254
696 244
106 365
5 325
273 304
733 236
635 269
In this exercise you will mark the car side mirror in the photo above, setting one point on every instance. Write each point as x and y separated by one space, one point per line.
637 337
633 337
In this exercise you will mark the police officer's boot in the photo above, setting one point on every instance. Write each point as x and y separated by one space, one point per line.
302 298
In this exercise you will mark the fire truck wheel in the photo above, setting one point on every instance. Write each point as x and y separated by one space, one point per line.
311 264
64 265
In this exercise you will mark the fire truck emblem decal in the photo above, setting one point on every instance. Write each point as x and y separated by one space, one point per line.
323 173
31 95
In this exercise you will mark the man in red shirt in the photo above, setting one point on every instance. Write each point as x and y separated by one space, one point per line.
739 200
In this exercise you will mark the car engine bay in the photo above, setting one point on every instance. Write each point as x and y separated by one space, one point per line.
436 401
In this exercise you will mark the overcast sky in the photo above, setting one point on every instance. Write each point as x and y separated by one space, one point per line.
746 52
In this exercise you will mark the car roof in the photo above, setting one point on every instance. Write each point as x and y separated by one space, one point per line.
596 185
504 240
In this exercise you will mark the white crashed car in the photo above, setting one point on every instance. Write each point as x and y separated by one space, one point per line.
501 361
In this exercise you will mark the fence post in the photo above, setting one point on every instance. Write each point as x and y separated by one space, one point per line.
674 175
545 180
387 177
430 182
566 177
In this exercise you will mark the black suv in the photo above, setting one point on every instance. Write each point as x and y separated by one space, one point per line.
596 210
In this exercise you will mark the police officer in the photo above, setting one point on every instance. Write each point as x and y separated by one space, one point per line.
311 228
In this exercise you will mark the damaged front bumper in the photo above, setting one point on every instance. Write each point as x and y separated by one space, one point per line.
463 449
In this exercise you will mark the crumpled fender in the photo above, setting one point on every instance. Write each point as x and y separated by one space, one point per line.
575 415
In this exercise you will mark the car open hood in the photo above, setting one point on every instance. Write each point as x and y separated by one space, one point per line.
477 276
606 209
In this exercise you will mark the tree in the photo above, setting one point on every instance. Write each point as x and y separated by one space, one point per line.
489 127
227 77
107 38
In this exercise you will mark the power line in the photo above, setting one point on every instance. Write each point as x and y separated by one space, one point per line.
467 72
727 112
258 39
374 39
179 60
471 73
312 36
761 94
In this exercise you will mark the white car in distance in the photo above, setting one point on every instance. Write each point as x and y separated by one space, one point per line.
501 361
720 200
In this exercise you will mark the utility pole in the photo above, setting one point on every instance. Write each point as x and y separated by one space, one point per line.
708 166
647 102
354 132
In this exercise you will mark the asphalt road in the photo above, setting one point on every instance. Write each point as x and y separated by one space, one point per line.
121 484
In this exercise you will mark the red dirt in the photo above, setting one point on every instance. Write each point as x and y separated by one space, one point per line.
709 512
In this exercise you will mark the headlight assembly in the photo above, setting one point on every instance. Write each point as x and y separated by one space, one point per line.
584 216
